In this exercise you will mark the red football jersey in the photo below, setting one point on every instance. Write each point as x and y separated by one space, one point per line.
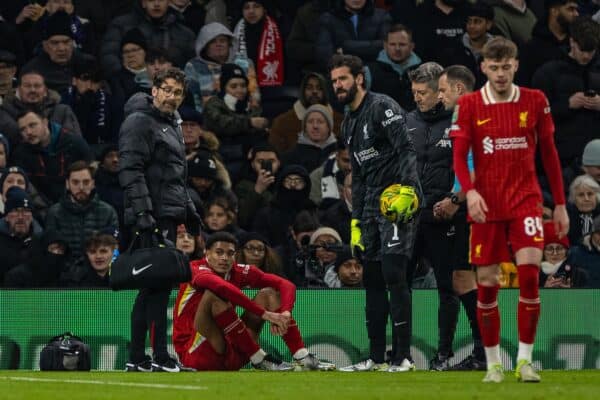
228 288
504 137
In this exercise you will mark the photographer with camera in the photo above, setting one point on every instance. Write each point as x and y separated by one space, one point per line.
313 261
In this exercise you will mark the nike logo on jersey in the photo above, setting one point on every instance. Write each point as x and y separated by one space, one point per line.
412 129
165 129
139 271
483 121
538 239
393 244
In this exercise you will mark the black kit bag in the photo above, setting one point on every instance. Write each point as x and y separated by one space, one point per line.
66 352
149 262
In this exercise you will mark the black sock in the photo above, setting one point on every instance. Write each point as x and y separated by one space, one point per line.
138 328
376 310
469 302
394 268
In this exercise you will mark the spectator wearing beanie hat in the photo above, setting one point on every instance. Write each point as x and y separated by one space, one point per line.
587 255
255 250
56 60
16 176
325 244
229 116
590 161
556 270
346 272
195 137
316 142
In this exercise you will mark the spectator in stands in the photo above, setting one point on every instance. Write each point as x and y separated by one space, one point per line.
160 26
255 250
556 270
91 103
347 272
45 266
287 126
91 270
294 251
4 153
583 206
157 60
572 86
16 230
214 48
100 13
339 213
198 13
16 176
46 151
195 137
208 180
513 19
256 185
8 71
549 39
80 211
590 160
220 216
324 245
326 178
316 142
230 116
300 44
258 38
107 180
192 246
56 60
83 34
292 189
388 74
32 93
353 27
587 255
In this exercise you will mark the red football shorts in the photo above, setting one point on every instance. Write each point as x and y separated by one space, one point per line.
205 358
492 242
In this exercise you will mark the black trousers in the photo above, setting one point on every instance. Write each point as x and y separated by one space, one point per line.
149 313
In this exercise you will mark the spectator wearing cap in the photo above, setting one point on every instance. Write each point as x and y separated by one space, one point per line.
80 211
339 212
107 180
549 39
195 137
32 93
255 250
160 26
46 151
91 103
325 245
286 127
556 270
292 189
46 264
56 60
91 270
346 272
205 181
16 230
316 141
214 48
327 178
16 176
583 206
587 255
230 116
572 86
590 160
8 72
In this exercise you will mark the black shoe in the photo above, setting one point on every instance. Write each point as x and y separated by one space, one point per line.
439 363
142 366
471 363
170 365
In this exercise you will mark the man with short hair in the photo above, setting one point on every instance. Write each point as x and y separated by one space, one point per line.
31 93
389 73
45 152
207 332
80 211
504 125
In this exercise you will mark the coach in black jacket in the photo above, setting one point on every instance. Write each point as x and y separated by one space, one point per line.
153 172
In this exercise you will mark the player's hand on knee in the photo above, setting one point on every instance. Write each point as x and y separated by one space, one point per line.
477 206
279 322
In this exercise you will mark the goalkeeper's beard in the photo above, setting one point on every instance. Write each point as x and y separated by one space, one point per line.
350 95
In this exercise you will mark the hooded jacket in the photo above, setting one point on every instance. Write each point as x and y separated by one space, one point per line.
168 33
152 164
203 73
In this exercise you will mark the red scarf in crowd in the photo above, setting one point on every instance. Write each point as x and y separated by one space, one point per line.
270 55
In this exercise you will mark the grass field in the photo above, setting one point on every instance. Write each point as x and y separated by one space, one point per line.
16 385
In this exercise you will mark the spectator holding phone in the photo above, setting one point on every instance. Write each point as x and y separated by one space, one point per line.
557 271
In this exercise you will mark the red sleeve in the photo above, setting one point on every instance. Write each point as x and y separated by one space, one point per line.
460 154
550 160
287 290
210 281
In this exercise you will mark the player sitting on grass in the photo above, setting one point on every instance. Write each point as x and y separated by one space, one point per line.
207 332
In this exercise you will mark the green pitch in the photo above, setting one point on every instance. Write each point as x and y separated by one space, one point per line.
16 385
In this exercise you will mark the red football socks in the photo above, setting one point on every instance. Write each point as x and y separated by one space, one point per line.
529 302
488 315
292 337
235 330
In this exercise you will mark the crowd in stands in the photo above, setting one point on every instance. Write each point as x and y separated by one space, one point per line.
260 124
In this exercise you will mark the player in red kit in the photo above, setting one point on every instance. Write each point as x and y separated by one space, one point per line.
207 332
504 124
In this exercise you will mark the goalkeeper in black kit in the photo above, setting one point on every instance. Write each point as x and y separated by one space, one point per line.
385 201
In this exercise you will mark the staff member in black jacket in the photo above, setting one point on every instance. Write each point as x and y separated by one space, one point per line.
153 173
382 154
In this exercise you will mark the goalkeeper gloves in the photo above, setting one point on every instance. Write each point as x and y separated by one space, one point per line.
356 245
402 205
